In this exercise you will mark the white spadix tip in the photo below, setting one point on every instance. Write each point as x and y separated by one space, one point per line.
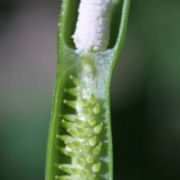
93 26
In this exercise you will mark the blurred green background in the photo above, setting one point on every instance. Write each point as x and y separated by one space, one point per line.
145 90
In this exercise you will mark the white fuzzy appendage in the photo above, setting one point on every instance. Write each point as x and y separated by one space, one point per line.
92 28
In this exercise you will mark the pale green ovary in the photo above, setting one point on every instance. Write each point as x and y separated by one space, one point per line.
84 131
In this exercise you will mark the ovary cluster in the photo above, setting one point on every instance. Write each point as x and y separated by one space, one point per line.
92 27
82 140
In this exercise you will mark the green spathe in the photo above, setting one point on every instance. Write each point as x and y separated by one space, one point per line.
80 142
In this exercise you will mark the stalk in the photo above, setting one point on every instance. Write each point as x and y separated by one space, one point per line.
80 139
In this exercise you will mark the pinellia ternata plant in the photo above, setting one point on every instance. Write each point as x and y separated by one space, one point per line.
90 40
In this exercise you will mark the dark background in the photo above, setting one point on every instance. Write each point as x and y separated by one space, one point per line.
145 90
